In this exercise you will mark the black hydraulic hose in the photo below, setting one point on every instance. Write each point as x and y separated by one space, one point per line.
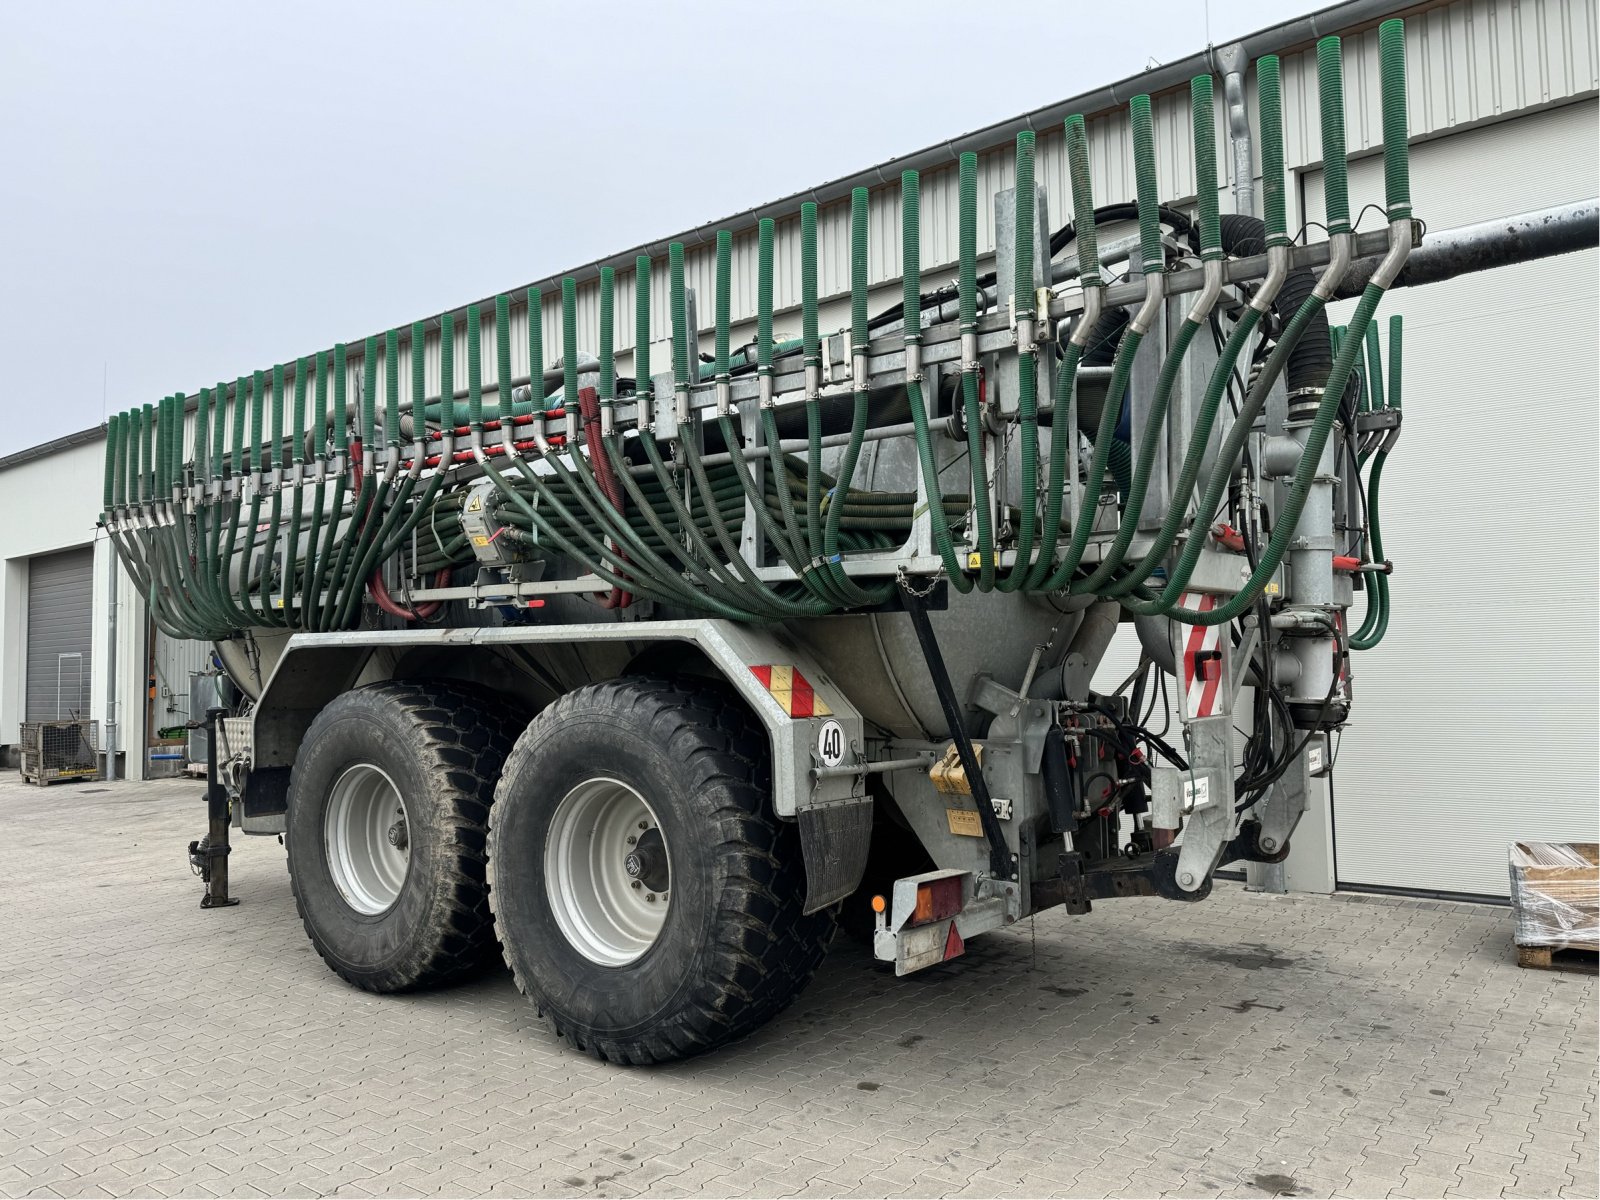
1312 357
1127 210
1000 864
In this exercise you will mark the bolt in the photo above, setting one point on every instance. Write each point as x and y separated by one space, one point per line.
650 897
637 885
632 841
1269 844
1186 879
644 824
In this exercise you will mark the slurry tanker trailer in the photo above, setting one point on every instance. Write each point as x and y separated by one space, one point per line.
649 681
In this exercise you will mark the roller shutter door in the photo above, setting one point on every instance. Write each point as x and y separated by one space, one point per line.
1475 721
60 637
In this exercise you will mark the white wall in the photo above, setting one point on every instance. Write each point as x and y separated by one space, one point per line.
53 503
1475 722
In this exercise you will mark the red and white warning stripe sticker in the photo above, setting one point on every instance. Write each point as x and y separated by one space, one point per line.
792 691
1201 661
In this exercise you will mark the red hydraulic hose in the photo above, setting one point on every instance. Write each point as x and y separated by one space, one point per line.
379 591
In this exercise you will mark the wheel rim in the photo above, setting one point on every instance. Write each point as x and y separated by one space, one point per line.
368 839
607 872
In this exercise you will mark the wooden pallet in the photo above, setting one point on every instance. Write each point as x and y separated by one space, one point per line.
1559 958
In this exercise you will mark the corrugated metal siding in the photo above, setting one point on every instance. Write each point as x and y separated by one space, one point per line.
60 635
1465 63
1475 720
175 660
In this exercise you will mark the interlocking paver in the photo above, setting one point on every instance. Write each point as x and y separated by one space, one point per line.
1247 1046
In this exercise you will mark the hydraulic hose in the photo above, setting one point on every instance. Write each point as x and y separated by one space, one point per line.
1063 435
1153 262
911 267
1396 152
1201 100
971 407
1376 622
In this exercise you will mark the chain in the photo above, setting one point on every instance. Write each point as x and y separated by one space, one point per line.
904 580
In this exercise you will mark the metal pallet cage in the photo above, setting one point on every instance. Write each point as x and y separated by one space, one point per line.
53 751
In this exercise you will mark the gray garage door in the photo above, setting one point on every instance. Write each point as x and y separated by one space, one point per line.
60 595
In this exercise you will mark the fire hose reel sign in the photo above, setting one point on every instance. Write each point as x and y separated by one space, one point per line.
830 743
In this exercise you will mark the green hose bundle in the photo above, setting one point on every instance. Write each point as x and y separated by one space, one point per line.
285 512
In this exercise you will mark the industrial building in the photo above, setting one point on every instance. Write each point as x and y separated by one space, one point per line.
1494 649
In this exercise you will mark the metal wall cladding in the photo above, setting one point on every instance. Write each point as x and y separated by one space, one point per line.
1469 62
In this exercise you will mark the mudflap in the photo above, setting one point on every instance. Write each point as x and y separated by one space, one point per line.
834 838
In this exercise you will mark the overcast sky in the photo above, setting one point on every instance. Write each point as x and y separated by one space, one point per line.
193 190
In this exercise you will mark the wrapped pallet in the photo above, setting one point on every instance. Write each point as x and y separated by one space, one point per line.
1555 895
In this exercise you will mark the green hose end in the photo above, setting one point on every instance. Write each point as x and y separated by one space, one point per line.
1373 392
391 387
502 344
569 343
301 371
967 268
1269 93
1144 166
764 233
911 254
419 362
810 341
447 363
1335 181
724 297
1396 147
474 369
113 452
536 344
641 324
608 337
1202 101
341 386
1077 135
277 414
258 402
678 302
859 208
1395 337
369 391
1026 201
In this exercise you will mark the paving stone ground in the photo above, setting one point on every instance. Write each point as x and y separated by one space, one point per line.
1247 1046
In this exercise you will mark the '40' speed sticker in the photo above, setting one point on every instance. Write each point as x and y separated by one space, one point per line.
830 743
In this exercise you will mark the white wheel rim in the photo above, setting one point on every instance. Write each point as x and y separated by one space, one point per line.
607 872
368 838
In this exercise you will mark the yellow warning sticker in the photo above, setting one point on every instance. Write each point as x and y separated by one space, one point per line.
964 822
475 503
1271 589
479 540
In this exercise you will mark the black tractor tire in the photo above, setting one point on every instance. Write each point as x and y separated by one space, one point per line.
442 744
734 947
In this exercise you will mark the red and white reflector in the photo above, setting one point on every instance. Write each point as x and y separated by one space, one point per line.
792 691
1201 661
954 945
